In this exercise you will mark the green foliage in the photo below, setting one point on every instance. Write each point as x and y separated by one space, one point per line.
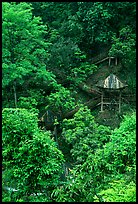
17 125
61 101
119 191
27 103
47 49
124 44
98 19
73 27
24 49
18 26
106 175
80 74
64 52
83 182
30 156
84 134
124 47
120 151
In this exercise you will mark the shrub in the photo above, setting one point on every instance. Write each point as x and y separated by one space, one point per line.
31 158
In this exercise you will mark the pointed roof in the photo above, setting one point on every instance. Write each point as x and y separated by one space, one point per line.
111 82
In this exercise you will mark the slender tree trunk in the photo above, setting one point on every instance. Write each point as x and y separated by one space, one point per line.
55 134
120 102
102 102
15 94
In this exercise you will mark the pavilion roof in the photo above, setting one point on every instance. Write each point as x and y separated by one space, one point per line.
111 82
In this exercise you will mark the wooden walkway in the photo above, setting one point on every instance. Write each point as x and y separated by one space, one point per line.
94 102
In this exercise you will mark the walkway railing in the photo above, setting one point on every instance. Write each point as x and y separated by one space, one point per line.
101 56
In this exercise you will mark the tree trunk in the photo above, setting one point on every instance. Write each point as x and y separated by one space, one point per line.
55 134
15 94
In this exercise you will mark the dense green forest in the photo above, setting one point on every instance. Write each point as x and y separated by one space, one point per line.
57 146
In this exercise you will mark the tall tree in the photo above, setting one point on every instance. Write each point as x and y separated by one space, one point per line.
23 46
32 161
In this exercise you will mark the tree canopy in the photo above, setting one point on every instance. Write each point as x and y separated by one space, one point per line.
57 146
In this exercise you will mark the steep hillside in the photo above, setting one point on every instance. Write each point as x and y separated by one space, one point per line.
110 116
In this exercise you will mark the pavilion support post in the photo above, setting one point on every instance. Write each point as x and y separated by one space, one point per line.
120 102
102 101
